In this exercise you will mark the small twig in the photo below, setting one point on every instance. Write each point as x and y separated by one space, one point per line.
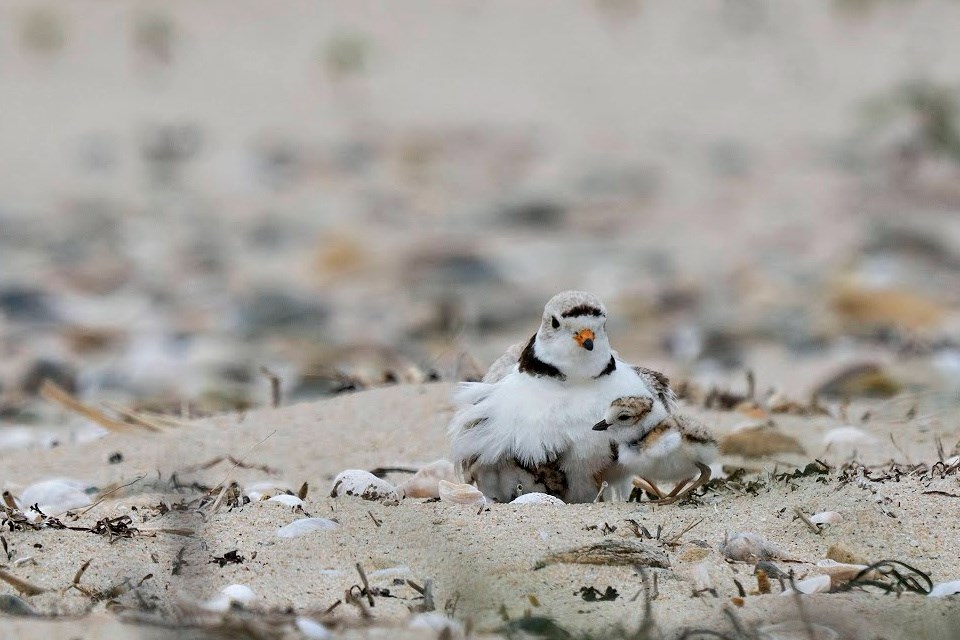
50 391
24 587
274 386
366 585
104 496
130 414
239 461
603 487
676 538
374 518
899 450
80 571
807 521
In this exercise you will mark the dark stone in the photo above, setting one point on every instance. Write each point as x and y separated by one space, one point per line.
23 304
60 373
535 213
115 458
280 312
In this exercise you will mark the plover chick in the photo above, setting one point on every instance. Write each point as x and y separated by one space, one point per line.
676 448
538 403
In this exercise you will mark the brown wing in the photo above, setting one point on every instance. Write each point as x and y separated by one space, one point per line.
660 385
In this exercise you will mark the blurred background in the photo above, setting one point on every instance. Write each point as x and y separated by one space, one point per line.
354 194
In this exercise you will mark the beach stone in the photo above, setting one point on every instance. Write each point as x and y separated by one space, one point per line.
12 605
60 373
24 304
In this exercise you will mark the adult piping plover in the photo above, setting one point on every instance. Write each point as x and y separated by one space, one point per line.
676 448
528 424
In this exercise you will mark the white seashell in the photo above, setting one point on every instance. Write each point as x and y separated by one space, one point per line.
537 498
258 490
847 436
306 525
425 483
701 578
311 629
461 493
841 572
235 593
749 547
796 630
287 500
356 482
813 584
945 589
826 517
438 623
55 496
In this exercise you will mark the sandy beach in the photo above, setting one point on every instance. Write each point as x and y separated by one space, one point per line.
481 562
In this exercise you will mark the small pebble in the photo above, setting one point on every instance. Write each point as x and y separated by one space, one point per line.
12 605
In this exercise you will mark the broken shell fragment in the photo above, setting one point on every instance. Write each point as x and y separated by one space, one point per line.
306 525
234 594
841 572
425 483
287 500
537 498
461 493
55 496
356 482
826 517
312 629
814 584
749 547
438 623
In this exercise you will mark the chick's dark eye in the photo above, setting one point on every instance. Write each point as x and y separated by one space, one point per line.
556 323
623 416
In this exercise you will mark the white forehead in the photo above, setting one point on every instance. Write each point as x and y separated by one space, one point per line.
574 303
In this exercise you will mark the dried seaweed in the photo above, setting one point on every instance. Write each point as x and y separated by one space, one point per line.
894 577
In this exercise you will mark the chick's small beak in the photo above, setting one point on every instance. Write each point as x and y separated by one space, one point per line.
601 426
585 338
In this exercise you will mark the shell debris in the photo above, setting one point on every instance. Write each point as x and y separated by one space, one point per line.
356 482
537 498
425 483
749 547
304 526
461 493
813 584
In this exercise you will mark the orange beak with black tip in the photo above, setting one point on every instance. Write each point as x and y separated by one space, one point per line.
584 338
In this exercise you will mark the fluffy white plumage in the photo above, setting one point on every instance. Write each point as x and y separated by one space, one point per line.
538 411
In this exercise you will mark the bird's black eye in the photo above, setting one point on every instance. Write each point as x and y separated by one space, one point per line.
556 323
623 417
